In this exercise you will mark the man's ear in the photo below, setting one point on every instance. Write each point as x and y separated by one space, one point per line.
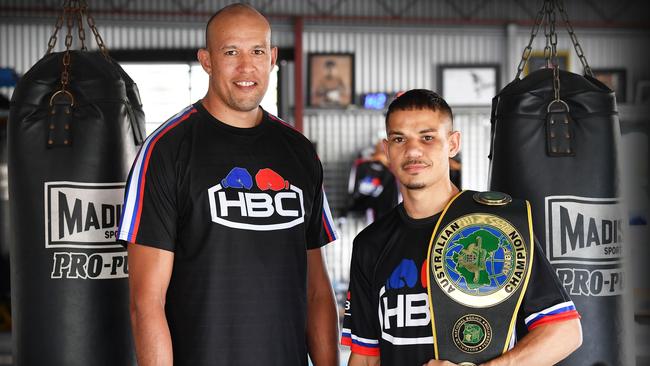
384 143
204 59
274 56
454 143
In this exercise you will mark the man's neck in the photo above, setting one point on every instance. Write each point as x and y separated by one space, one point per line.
422 203
239 119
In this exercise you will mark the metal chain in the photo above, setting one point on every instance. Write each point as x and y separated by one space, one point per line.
93 28
574 39
547 47
65 74
526 54
73 11
554 62
80 24
57 27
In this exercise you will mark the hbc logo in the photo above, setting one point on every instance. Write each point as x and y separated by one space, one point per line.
404 306
275 205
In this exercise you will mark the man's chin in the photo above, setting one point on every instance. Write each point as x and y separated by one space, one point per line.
245 105
248 107
415 186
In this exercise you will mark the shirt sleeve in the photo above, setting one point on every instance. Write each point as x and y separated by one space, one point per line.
360 322
545 300
149 215
320 230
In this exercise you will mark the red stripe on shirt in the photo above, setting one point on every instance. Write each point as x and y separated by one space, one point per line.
346 341
366 351
567 315
361 350
145 166
277 119
327 229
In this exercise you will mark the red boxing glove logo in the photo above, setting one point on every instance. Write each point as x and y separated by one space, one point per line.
268 179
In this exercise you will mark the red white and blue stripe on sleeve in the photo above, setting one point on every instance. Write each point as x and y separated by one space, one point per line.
328 221
362 346
135 187
559 312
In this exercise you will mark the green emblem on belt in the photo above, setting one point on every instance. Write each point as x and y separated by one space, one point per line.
479 260
472 333
492 198
477 251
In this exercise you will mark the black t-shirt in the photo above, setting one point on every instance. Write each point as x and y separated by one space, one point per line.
239 207
387 311
372 187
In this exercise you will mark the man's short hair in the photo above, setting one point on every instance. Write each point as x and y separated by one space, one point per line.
418 99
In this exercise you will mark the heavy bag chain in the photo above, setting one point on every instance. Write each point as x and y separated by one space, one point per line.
542 18
73 10
550 14
574 39
547 36
558 120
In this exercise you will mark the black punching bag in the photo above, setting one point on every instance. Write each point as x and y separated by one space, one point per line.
69 156
566 165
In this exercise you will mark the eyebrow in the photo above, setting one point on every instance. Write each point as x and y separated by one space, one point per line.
427 130
235 47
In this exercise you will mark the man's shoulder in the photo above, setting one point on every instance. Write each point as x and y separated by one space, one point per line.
375 236
172 130
290 132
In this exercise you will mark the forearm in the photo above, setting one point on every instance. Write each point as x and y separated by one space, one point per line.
545 345
322 328
361 360
322 320
153 342
149 274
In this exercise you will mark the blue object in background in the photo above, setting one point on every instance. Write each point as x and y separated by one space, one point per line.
375 100
8 77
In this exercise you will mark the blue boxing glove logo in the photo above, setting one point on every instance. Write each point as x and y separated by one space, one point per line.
406 274
238 178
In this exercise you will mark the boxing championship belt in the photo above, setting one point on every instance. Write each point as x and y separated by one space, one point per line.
480 259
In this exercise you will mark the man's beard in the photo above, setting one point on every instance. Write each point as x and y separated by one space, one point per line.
414 186
245 104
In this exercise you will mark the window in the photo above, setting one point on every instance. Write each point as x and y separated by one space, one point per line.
166 88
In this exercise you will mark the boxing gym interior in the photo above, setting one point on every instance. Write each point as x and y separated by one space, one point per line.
340 64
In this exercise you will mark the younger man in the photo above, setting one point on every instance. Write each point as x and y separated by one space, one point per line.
387 318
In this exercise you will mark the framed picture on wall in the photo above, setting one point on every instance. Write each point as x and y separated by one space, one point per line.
615 79
538 61
468 85
330 80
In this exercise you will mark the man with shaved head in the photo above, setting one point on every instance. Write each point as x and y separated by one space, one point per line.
225 217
